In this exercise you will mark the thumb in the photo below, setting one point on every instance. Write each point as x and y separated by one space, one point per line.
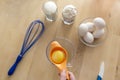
72 77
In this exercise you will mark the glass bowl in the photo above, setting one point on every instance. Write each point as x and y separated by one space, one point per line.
97 41
66 44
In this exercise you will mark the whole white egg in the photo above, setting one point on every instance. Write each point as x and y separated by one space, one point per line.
88 37
83 29
98 33
99 22
91 26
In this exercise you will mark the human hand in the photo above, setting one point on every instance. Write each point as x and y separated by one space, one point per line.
63 75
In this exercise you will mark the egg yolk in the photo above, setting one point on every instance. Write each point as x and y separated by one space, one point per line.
58 56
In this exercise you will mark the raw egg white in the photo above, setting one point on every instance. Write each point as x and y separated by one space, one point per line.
83 29
98 33
99 23
88 37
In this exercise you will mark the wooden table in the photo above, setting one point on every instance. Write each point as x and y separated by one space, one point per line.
16 15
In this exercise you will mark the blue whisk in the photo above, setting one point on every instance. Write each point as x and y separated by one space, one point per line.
34 32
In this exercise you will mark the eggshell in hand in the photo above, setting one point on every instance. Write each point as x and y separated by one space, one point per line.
98 33
83 29
88 37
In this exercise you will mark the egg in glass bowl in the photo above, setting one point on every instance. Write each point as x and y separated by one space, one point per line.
92 31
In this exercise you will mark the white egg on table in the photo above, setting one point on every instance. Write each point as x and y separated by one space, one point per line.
99 23
83 29
98 33
89 38
91 26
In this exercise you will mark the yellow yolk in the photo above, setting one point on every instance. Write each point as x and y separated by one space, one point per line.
58 56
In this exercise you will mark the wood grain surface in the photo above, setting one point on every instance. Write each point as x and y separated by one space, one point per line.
15 17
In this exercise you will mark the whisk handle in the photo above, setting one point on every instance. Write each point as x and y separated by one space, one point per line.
13 67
